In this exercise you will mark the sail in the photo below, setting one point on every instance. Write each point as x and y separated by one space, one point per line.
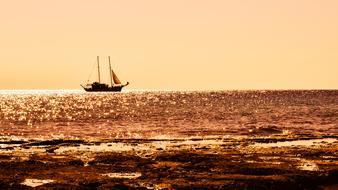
116 80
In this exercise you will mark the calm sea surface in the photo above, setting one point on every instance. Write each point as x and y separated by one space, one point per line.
166 114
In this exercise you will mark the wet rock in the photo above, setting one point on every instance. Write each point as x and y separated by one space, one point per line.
232 164
76 163
56 142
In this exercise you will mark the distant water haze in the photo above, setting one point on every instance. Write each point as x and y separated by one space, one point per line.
190 44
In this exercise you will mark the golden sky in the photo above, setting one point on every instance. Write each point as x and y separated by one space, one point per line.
170 44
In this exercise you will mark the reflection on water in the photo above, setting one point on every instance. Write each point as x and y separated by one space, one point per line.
308 165
36 182
145 147
123 175
148 114
310 142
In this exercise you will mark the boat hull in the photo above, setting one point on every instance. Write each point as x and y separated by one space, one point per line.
109 89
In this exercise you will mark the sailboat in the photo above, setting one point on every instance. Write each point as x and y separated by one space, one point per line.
115 83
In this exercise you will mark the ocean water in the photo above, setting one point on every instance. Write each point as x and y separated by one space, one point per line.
166 114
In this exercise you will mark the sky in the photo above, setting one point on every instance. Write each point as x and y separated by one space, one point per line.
170 45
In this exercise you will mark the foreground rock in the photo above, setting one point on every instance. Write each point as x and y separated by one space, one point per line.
256 163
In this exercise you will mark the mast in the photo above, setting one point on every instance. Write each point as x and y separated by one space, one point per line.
110 71
98 68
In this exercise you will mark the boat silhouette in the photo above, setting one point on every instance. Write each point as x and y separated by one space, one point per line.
115 83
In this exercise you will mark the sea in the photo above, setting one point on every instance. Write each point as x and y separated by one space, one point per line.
75 114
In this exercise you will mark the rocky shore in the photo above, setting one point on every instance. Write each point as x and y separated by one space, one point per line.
278 162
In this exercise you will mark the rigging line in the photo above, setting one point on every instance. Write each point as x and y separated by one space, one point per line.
91 73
